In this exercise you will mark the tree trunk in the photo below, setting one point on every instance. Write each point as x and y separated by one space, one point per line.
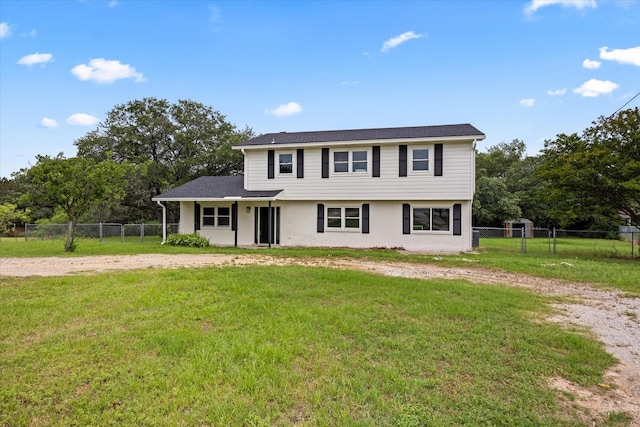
69 245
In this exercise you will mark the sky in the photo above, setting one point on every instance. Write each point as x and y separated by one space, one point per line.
526 70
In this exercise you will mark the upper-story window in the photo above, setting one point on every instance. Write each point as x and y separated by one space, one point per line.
420 159
285 161
354 161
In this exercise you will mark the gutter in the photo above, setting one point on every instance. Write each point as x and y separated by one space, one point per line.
164 221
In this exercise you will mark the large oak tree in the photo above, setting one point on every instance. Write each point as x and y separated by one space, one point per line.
167 144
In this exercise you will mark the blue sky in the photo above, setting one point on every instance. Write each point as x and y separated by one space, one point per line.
514 69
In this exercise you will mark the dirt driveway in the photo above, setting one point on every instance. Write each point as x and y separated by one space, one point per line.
613 318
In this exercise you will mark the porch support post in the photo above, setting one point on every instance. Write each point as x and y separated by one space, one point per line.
270 232
164 221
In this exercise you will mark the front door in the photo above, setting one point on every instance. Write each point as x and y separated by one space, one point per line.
262 225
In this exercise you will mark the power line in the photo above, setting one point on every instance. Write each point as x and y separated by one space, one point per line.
626 103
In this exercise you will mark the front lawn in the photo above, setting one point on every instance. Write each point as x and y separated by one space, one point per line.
282 346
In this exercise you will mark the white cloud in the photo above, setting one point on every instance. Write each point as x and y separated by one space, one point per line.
5 30
350 82
286 109
591 65
35 58
48 123
102 70
113 3
82 119
557 92
624 56
528 102
398 40
594 88
534 5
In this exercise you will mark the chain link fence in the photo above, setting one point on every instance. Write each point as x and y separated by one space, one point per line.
622 243
105 232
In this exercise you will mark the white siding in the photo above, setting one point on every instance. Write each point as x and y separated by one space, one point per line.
456 182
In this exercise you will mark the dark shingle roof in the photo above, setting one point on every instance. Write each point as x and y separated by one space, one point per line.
442 131
214 187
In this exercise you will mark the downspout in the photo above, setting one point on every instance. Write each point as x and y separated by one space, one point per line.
164 222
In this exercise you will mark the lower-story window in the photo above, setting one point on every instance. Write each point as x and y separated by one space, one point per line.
343 218
210 219
431 219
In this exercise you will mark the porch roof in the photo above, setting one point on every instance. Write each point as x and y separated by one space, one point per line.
215 188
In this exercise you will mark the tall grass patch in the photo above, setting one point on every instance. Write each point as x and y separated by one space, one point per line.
281 346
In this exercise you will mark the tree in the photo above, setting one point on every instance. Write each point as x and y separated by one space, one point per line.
11 215
74 185
167 144
596 175
493 203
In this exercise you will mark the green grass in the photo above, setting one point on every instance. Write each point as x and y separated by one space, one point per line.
281 346
494 253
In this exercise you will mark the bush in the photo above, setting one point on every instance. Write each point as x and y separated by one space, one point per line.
190 240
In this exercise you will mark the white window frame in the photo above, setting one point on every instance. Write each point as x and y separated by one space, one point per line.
216 217
343 219
350 161
428 159
449 229
293 163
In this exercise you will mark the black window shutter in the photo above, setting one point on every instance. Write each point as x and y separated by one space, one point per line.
300 160
402 171
406 218
438 166
234 216
457 219
325 163
196 216
376 161
271 154
320 228
365 218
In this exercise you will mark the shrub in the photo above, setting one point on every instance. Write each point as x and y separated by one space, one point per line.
190 240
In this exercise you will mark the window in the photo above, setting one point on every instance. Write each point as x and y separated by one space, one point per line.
223 217
286 162
431 219
357 159
209 217
341 161
343 218
420 159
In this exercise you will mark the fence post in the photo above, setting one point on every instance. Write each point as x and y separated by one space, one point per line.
121 233
632 242
554 240
100 232
523 241
142 233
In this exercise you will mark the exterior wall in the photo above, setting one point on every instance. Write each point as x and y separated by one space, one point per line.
298 227
185 226
299 221
457 181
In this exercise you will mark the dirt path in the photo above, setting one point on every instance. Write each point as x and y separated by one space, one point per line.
612 317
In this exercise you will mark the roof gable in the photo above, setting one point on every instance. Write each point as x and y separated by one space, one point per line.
441 131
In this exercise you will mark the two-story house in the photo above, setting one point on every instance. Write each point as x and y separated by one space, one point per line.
409 187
